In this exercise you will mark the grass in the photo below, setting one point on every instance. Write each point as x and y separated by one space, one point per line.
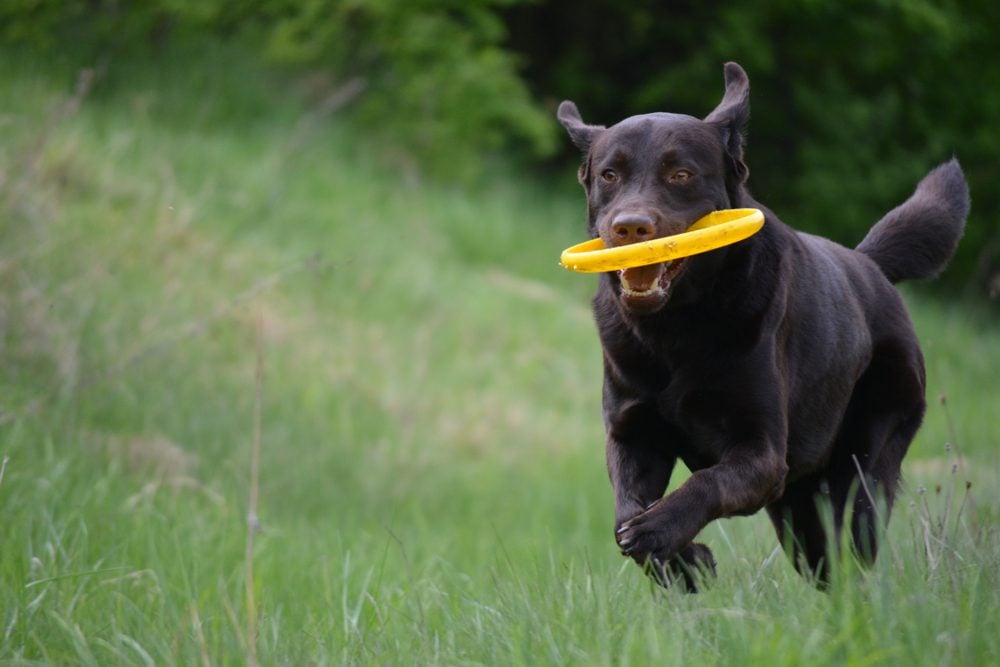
431 486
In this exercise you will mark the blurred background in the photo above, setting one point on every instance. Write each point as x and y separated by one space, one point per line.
852 102
326 232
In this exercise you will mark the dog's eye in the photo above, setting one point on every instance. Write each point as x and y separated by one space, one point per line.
680 176
609 176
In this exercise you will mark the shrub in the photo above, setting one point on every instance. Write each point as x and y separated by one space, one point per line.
433 76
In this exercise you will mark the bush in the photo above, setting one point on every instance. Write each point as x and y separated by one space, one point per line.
437 79
433 76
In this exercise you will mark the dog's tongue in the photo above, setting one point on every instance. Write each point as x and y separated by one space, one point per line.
641 278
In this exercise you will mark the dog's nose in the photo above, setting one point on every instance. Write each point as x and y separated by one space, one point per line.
631 227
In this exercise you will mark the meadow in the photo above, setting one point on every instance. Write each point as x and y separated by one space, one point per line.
270 395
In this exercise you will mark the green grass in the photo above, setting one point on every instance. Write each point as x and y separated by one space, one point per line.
431 487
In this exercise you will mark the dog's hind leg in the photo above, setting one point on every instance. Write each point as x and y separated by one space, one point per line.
812 511
875 491
883 416
885 412
798 521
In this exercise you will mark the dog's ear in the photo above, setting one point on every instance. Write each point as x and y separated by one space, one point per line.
732 115
582 134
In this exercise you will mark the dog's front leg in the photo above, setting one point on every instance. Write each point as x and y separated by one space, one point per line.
746 479
639 460
639 471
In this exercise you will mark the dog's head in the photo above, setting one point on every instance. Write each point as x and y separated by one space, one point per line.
654 175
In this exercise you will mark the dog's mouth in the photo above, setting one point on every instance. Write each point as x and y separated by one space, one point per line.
645 289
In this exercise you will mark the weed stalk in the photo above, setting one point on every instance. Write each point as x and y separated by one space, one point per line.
253 522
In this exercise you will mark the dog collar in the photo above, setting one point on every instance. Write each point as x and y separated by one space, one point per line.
715 230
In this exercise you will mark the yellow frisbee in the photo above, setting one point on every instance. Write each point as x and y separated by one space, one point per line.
715 230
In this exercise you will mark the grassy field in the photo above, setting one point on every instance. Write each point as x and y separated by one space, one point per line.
194 265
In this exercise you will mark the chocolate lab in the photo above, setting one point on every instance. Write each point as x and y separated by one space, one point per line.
782 370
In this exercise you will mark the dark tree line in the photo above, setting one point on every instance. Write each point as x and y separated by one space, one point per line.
851 103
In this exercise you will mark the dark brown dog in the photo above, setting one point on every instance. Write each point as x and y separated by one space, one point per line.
776 369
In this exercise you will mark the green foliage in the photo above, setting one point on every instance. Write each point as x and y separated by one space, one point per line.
92 28
430 77
436 75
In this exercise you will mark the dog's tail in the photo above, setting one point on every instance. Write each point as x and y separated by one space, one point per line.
917 238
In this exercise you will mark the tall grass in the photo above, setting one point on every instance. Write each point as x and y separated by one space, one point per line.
431 485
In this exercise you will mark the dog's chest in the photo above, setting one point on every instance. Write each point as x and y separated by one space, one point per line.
706 419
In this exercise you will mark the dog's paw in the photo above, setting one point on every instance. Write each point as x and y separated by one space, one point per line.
646 534
692 567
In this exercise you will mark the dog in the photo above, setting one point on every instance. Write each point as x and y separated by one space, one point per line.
783 370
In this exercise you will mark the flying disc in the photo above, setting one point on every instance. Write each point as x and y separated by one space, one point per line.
715 230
